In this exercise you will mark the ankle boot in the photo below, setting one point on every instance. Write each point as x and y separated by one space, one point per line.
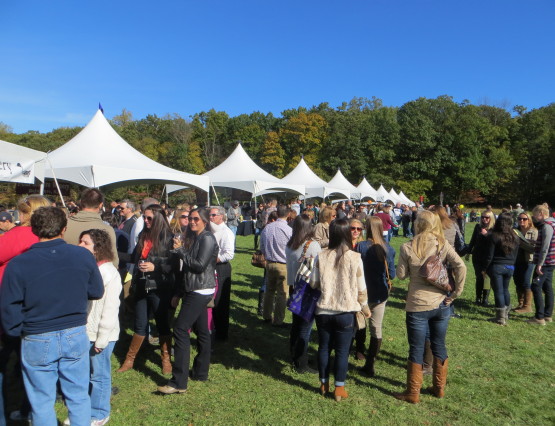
527 304
506 313
260 309
340 393
134 347
499 316
485 296
324 388
427 368
439 378
373 351
414 383
165 353
520 296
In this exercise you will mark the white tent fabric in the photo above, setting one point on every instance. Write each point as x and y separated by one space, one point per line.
366 190
394 196
98 156
239 171
340 181
406 200
19 164
314 185
381 194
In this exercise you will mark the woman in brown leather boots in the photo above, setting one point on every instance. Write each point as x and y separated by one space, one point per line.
427 306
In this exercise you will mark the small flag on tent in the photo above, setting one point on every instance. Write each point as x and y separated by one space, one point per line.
100 108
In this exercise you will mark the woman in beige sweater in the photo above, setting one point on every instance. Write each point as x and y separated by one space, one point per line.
427 306
339 274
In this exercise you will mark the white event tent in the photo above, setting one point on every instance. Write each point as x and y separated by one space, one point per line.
340 181
366 190
98 156
382 195
314 185
405 199
19 164
393 196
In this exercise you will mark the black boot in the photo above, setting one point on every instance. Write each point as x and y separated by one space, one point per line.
485 296
373 351
260 308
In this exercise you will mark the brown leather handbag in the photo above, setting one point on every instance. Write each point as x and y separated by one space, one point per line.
433 270
258 260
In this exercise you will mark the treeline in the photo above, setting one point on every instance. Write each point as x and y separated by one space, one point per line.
470 153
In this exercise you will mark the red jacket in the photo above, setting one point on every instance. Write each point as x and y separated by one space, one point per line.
13 243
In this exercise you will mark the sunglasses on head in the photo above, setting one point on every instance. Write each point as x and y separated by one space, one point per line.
356 228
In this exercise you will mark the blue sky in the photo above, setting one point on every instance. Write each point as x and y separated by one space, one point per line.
60 58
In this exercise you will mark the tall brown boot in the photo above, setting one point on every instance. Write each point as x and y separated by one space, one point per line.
439 378
527 305
134 347
414 383
520 296
165 353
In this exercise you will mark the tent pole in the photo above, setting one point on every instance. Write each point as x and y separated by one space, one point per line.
215 195
41 191
55 181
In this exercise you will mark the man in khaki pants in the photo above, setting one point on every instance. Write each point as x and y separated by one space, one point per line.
273 240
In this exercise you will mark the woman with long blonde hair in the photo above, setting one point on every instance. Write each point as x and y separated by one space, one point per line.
378 260
427 306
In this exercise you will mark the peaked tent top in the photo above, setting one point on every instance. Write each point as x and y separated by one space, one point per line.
241 172
366 190
340 181
405 199
381 194
98 156
314 185
21 164
394 196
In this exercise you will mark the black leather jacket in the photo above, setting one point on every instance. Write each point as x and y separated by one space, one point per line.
164 264
199 263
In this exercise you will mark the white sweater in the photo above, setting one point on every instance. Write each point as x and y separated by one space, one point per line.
103 317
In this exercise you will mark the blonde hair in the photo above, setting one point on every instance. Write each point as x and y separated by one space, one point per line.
541 208
427 225
325 214
374 232
530 221
28 205
352 222
491 218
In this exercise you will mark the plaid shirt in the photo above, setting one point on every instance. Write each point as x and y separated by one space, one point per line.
273 240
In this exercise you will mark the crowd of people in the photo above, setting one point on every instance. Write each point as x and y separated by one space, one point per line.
140 262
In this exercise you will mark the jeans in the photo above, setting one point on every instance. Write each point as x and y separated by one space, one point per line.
543 285
334 332
192 314
419 324
523 275
100 388
157 302
58 355
500 276
298 340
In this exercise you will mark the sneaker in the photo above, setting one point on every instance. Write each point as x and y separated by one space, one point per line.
66 422
536 321
16 416
100 422
548 319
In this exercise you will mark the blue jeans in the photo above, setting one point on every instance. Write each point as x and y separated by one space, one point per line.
233 229
334 332
434 323
58 355
299 339
544 285
500 276
523 275
101 381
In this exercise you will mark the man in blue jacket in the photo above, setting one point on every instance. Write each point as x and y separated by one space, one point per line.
44 299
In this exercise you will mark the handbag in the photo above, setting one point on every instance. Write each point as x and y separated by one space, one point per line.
304 298
435 273
258 260
360 321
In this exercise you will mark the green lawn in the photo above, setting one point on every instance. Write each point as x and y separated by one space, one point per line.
497 375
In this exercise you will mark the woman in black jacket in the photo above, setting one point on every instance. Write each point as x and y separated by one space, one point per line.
197 289
500 261
153 282
477 247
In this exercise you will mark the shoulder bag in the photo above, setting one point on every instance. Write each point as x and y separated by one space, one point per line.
258 260
435 273
304 298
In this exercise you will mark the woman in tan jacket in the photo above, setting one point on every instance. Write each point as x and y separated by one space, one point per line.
427 306
339 274
322 229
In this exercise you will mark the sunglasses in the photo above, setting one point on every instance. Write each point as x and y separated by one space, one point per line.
148 218
486 217
354 228
195 219
184 216
214 214
523 218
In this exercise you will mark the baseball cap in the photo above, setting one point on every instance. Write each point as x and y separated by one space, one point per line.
6 216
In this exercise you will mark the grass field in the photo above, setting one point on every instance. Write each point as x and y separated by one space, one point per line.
497 375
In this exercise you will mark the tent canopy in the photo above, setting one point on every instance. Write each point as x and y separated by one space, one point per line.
340 181
19 164
239 171
98 156
405 199
365 190
381 194
314 185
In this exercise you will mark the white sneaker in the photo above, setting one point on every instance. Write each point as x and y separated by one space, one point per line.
66 422
100 422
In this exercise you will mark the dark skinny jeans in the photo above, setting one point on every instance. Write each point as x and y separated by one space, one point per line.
500 276
544 308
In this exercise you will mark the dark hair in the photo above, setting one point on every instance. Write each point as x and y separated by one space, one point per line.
503 232
102 244
302 231
91 198
111 219
159 228
204 214
48 222
340 238
273 216
282 211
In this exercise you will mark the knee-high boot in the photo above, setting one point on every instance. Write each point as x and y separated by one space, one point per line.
439 378
373 351
414 383
134 347
527 304
165 354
